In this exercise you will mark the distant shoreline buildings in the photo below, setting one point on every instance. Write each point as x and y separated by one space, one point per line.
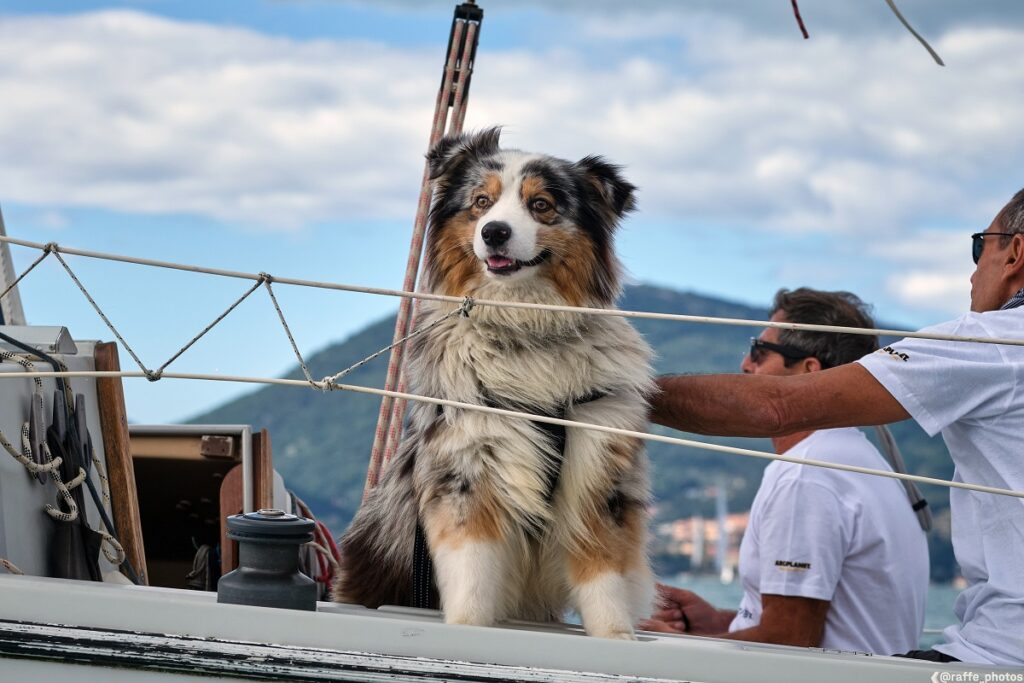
701 540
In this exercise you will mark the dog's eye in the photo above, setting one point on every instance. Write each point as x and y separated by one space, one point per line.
482 202
540 205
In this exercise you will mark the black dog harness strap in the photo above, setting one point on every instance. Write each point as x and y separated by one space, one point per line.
422 572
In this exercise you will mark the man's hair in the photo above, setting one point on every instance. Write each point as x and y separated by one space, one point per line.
1012 217
812 306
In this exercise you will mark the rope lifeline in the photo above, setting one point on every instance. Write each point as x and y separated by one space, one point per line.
466 304
612 312
550 420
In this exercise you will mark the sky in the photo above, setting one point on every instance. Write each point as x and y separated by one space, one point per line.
287 136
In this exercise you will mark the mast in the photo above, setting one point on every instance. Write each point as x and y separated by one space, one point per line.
11 312
452 96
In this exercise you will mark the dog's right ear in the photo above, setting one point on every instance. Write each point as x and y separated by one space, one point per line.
453 149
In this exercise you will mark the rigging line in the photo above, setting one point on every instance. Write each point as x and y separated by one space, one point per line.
466 59
465 70
135 357
612 312
906 24
800 20
468 63
160 371
328 382
406 309
288 331
46 252
539 418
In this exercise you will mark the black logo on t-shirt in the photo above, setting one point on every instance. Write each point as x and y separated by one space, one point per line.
894 353
790 566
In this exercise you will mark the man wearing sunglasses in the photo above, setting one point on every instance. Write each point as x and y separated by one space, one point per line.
829 558
970 392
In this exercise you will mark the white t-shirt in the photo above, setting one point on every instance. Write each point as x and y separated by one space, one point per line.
973 394
849 538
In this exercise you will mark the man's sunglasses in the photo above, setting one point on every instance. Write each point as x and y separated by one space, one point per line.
758 347
978 242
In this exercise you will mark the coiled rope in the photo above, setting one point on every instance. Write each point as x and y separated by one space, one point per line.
111 547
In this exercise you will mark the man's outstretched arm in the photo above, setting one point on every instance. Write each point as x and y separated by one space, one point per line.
766 405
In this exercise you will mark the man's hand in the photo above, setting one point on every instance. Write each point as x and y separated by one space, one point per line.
682 611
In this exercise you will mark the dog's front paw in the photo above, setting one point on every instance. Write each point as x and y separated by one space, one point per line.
470 617
615 634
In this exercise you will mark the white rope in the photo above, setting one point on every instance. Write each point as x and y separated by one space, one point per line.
10 566
738 322
327 554
549 420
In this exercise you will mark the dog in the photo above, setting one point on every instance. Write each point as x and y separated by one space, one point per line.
522 520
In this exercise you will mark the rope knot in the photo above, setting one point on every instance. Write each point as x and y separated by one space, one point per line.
266 278
50 247
467 305
154 376
328 384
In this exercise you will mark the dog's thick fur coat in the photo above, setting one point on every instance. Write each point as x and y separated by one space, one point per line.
506 225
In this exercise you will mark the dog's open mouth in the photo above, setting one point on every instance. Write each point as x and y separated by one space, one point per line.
503 265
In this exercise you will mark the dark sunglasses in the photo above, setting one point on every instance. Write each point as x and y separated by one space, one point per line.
978 242
759 346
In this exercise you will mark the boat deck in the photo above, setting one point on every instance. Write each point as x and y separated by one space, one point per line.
105 629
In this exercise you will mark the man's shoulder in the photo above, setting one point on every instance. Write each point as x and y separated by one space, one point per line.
844 445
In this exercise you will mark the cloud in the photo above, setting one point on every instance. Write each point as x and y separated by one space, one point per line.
619 20
933 270
835 136
728 125
127 111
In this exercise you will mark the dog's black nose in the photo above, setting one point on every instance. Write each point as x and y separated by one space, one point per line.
496 233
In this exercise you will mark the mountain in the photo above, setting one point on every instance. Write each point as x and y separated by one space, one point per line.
321 441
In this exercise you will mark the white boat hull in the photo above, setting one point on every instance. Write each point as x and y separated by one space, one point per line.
66 630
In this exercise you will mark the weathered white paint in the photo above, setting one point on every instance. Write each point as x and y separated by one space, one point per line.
408 636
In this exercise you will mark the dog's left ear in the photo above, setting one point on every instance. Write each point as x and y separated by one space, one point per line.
607 179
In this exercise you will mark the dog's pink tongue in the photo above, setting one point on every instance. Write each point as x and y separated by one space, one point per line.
499 261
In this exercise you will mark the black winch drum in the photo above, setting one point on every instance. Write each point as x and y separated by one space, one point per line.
268 562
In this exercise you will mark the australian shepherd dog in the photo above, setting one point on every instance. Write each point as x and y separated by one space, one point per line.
522 520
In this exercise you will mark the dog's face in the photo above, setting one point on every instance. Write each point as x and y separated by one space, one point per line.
507 217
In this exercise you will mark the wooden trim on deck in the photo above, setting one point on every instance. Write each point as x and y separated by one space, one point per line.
117 450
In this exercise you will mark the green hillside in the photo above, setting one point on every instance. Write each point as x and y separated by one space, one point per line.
322 441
